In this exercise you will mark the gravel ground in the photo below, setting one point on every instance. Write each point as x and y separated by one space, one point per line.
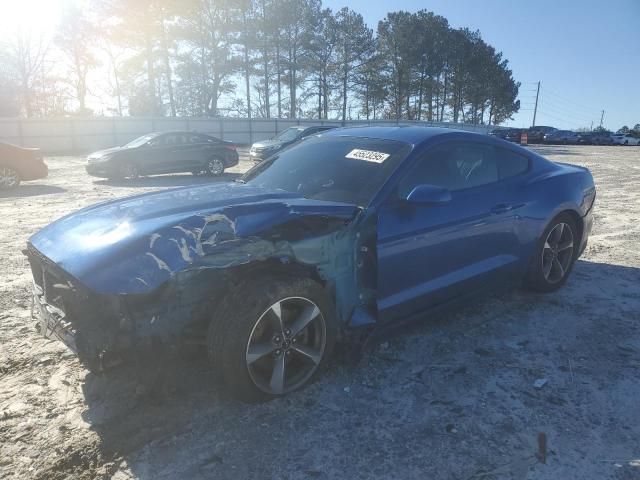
453 397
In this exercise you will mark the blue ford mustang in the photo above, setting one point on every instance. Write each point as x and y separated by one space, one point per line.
357 227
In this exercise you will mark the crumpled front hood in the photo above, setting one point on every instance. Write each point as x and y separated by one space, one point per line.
134 244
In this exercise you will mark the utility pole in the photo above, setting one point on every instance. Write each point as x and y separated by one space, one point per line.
535 109
601 117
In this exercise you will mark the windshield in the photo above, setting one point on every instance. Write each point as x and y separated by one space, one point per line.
140 141
288 134
338 169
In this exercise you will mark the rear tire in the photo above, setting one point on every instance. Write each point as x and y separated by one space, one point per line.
271 336
554 255
9 178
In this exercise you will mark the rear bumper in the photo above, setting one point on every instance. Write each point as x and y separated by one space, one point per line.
35 172
232 160
587 226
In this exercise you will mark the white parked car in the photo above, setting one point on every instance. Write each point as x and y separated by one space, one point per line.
625 139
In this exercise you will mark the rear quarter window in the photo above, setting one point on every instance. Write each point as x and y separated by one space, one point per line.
510 163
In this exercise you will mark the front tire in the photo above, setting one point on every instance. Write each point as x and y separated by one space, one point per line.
271 336
214 167
9 178
554 255
126 171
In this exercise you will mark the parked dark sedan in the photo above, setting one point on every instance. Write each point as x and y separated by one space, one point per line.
18 164
564 137
595 138
501 132
536 134
354 230
514 134
169 152
264 149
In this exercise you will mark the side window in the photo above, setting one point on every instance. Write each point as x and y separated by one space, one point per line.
454 166
310 131
158 141
191 138
170 140
510 163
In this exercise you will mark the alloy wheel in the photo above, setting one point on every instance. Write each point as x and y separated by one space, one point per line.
557 253
215 167
130 171
8 177
286 345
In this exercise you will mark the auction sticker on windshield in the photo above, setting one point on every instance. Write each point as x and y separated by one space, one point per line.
368 155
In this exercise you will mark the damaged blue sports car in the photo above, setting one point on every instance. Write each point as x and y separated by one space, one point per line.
357 228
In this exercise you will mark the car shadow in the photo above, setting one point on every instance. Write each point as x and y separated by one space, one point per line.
131 408
169 180
26 190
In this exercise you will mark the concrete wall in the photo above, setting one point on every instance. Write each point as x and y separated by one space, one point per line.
82 135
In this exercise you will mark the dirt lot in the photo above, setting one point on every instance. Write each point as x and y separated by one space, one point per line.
453 397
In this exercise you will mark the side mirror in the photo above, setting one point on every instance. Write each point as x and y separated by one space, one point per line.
429 195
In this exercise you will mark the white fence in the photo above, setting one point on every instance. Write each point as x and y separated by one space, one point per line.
81 135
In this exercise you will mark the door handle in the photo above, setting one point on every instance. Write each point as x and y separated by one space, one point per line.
501 208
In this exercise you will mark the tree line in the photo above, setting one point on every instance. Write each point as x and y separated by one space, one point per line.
255 58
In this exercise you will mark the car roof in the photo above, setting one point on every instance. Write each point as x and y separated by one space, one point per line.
404 133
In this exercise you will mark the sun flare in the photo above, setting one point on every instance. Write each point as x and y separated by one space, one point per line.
37 16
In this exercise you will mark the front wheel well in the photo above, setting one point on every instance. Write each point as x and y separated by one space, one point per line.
222 283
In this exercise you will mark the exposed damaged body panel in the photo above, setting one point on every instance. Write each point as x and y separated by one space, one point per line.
153 270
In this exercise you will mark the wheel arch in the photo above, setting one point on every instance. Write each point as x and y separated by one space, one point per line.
220 283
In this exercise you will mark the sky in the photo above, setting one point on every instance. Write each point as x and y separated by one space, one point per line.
584 53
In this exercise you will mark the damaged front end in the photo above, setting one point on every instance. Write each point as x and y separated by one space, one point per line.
89 324
158 287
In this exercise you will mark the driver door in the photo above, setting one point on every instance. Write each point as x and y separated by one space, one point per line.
428 255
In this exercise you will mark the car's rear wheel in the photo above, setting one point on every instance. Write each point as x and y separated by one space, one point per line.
554 256
214 167
271 337
9 177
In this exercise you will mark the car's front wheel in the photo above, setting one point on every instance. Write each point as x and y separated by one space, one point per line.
124 171
272 336
9 177
214 167
554 256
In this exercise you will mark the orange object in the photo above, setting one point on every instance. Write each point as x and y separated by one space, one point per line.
523 138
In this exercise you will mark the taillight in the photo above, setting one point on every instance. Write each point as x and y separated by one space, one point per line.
230 147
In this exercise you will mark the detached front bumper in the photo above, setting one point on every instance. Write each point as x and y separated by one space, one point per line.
52 322
87 323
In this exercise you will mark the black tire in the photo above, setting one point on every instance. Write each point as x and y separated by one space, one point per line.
214 167
537 278
233 325
124 171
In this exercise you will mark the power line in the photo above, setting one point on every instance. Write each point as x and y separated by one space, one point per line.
563 112
570 102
